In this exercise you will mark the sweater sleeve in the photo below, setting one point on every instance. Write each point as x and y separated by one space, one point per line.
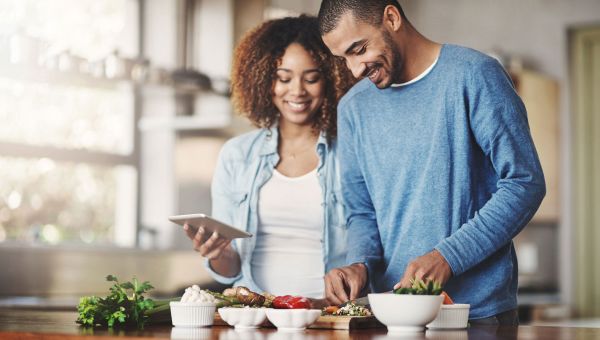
499 125
222 206
363 240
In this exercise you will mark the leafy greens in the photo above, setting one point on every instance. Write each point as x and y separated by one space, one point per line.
420 287
125 306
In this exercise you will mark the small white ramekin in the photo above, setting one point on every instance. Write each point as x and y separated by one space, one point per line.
192 314
243 318
292 319
454 316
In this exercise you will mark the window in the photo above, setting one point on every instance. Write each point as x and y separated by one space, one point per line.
67 151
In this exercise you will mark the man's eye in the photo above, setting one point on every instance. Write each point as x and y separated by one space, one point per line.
361 50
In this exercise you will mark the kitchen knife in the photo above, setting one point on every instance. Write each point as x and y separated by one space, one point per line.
362 301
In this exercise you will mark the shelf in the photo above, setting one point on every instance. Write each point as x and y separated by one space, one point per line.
186 123
41 75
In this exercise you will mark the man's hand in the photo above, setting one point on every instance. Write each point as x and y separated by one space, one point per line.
429 267
345 283
318 303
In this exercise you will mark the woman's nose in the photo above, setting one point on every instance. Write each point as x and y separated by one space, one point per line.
298 87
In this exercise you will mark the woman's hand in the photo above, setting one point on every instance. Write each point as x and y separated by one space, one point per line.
209 246
224 260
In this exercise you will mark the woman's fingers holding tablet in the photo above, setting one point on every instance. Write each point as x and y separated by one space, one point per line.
192 232
218 249
209 246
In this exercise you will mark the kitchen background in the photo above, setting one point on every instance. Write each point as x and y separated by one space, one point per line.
113 112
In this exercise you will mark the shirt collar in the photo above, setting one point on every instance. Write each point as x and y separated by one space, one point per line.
420 76
272 136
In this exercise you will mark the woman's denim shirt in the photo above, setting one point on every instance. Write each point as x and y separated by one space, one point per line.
245 164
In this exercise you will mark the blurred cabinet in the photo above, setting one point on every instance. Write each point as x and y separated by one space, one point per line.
540 94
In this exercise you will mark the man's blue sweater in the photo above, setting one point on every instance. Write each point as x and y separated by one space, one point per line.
445 163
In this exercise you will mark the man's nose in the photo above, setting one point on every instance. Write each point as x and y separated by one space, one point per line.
356 67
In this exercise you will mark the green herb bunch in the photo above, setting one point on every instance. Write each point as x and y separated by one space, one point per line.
420 287
125 306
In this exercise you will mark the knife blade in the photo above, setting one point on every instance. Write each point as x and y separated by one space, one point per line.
362 301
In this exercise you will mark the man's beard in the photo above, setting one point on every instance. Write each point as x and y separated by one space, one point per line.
395 64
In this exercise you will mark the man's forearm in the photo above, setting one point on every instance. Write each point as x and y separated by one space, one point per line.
496 223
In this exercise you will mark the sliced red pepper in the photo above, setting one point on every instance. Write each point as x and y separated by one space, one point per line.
447 299
291 302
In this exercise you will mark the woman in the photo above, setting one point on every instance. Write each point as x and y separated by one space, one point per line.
280 182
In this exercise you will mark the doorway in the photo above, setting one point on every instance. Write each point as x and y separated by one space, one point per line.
585 67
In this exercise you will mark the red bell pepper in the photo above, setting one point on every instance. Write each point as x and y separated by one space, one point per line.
447 299
291 302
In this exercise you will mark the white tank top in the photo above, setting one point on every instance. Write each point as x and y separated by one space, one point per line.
288 256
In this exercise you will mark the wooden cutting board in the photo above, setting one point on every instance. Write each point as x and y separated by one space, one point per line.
328 322
346 322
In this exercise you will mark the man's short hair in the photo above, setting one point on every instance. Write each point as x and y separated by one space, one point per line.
368 11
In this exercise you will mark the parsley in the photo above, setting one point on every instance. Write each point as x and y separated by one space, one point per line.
125 306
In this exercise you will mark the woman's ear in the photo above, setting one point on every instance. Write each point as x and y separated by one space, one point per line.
392 19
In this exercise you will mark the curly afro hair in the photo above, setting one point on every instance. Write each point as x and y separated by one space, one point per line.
255 63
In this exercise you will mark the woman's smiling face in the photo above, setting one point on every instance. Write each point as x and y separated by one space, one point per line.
299 87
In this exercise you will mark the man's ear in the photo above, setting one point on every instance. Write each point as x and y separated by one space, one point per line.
392 19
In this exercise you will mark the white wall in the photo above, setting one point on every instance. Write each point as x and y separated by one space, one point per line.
157 184
305 6
533 29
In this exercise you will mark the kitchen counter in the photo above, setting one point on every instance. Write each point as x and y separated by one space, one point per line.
35 324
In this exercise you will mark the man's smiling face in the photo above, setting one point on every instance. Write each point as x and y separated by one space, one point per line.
369 51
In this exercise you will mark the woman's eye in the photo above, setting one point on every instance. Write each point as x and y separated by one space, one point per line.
362 50
284 80
313 80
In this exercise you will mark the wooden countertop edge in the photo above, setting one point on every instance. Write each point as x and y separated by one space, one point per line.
11 335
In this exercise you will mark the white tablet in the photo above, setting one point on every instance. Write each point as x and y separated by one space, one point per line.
210 225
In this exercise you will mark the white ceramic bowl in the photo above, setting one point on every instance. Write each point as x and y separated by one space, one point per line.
243 318
292 319
192 314
405 313
454 316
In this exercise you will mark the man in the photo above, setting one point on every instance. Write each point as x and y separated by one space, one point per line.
439 171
